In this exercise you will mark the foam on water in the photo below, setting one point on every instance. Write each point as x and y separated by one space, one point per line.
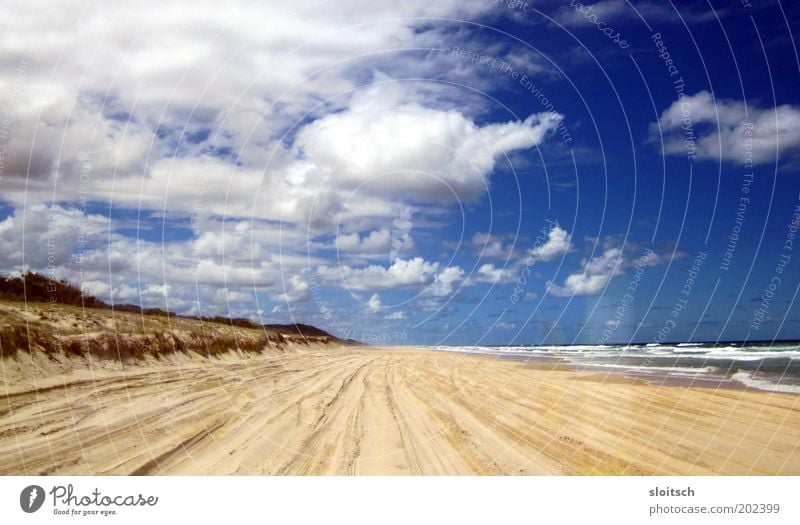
743 363
750 380
671 370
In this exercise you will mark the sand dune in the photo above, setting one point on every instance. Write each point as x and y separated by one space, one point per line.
343 410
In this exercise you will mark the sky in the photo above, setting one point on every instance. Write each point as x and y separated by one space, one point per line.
471 172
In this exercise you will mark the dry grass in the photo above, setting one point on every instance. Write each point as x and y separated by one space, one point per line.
68 331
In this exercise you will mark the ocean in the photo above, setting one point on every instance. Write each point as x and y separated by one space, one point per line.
768 366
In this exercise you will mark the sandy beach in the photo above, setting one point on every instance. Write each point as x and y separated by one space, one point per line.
322 409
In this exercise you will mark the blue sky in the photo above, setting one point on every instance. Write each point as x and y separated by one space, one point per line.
471 172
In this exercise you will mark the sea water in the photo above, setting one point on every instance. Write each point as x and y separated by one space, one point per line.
769 366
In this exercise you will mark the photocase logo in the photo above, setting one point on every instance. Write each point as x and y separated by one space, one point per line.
31 498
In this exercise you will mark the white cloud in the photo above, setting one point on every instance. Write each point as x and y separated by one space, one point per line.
444 281
489 273
558 243
386 146
430 305
652 258
402 273
492 246
208 62
352 167
377 241
154 92
182 108
395 316
297 290
374 303
97 288
401 233
596 274
215 269
725 127
50 235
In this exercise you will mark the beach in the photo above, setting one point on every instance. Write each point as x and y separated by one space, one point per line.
326 409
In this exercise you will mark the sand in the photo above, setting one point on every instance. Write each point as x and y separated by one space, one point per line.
349 410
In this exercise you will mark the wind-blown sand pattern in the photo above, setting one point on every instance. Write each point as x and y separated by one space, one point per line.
317 409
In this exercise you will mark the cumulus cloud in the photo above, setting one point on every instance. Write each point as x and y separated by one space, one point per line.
411 273
49 236
193 62
729 130
445 281
596 274
395 316
492 246
402 273
401 233
205 111
153 96
206 275
297 290
652 258
598 271
374 303
558 243
388 147
378 241
489 273
74 137
379 152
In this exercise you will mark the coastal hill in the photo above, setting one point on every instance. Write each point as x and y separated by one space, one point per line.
59 321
